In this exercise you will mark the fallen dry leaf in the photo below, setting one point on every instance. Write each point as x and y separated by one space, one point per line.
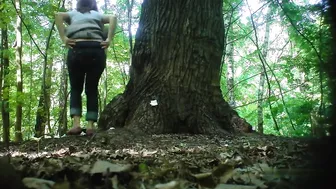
102 167
169 185
36 183
231 186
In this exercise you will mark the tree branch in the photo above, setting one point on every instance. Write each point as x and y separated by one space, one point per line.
30 35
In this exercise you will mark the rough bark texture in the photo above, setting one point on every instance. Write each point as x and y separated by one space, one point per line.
176 61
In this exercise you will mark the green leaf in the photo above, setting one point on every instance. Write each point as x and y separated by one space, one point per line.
143 168
273 99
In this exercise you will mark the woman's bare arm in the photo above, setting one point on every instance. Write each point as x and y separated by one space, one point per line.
60 17
112 21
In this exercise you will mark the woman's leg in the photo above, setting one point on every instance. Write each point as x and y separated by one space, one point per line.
76 76
93 75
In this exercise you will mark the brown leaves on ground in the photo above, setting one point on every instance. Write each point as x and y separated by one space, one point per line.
122 159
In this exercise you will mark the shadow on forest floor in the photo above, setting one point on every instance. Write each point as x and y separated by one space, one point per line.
162 161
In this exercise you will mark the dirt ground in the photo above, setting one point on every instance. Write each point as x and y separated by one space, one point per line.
118 158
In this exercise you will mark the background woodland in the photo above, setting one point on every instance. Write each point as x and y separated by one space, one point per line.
271 69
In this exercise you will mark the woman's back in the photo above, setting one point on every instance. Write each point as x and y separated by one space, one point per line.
86 25
76 16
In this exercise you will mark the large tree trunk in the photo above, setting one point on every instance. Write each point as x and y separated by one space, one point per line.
19 79
174 84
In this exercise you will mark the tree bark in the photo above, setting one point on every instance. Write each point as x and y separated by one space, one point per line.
19 78
261 88
63 118
43 114
260 108
5 85
174 84
230 75
129 4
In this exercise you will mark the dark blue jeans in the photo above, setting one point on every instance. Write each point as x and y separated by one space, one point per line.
86 62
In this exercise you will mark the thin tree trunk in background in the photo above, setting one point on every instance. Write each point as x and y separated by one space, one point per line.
331 71
261 88
43 106
228 23
105 89
5 86
63 123
47 94
321 109
230 75
1 72
102 102
19 77
43 114
129 4
30 83
264 64
129 8
41 118
63 92
1 68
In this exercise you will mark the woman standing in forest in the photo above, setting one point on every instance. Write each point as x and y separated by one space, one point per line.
86 58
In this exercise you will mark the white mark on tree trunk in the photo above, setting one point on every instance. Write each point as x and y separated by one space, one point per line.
153 103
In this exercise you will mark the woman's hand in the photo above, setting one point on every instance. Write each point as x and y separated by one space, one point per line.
68 42
105 44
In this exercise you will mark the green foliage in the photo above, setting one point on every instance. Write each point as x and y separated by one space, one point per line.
38 17
299 42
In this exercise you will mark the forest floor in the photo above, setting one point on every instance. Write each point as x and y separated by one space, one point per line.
118 158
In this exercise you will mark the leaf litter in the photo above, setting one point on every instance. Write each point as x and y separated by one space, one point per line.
120 159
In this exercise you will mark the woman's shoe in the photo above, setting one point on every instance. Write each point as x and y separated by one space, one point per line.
75 131
89 132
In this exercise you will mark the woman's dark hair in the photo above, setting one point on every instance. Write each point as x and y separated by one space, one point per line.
84 6
84 9
94 5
